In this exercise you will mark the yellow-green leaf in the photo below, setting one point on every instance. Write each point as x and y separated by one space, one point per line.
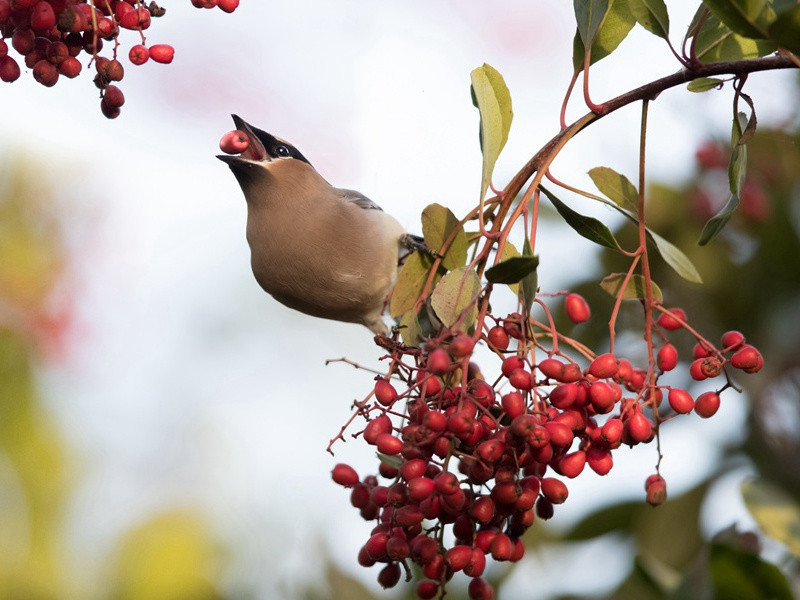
455 298
491 96
510 251
618 23
616 187
675 258
652 15
634 290
749 18
438 224
785 30
776 513
589 15
704 84
410 283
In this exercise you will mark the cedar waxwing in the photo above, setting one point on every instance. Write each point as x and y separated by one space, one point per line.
324 251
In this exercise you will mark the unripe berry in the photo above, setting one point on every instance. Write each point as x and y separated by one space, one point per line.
669 322
162 53
577 308
667 357
680 401
344 475
384 391
707 404
498 338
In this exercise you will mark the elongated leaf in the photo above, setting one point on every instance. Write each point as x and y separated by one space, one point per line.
618 23
737 169
616 187
589 227
635 290
776 513
589 15
704 84
410 283
652 15
530 283
749 18
717 43
512 270
510 251
717 223
491 96
438 224
785 30
454 299
675 258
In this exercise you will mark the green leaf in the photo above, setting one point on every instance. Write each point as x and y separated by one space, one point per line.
776 513
512 270
635 290
590 228
410 283
716 223
589 14
749 18
676 259
742 575
704 84
391 461
454 299
737 169
491 96
438 224
616 188
715 42
785 30
530 283
652 15
618 23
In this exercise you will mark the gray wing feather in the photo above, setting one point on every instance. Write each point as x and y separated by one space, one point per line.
359 199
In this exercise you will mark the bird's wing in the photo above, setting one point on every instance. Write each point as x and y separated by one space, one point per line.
358 199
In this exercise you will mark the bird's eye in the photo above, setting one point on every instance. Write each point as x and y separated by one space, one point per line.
283 151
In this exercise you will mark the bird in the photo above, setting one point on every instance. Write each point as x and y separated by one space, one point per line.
324 251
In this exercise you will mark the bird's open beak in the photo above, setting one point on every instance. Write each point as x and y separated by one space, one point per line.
255 152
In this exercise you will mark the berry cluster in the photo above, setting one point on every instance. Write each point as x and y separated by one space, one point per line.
468 464
50 35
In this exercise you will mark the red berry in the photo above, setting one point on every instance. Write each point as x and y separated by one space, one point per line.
376 427
498 338
611 432
162 53
389 575
482 509
669 322
747 358
656 489
501 547
438 362
639 427
139 18
696 370
707 404
604 366
510 364
389 444
110 112
426 590
446 483
71 67
228 5
599 460
113 96
477 563
680 401
344 475
544 508
461 346
139 54
560 434
571 465
563 396
554 490
384 391
458 557
45 73
577 308
552 368
521 379
731 340
604 396
9 69
479 589
667 357
710 155
413 468
43 17
23 41
701 351
513 404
